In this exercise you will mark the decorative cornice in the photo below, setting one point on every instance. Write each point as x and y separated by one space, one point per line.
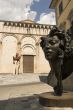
26 25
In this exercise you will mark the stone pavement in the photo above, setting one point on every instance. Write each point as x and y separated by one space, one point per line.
9 79
24 97
21 92
27 103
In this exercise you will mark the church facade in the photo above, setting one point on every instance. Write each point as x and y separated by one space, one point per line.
22 38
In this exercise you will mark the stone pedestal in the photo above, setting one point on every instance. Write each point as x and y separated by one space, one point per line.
48 99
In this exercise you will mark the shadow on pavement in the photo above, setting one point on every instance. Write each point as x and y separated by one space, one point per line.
3 104
21 103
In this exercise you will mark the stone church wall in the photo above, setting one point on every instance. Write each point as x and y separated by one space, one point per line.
22 38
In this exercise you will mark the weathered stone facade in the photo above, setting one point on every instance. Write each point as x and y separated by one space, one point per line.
64 12
23 38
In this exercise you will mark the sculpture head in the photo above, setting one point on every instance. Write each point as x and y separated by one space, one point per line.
52 44
57 45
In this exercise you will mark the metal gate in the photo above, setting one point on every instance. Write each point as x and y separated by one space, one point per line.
28 64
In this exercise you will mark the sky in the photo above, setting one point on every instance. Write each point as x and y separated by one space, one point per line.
35 10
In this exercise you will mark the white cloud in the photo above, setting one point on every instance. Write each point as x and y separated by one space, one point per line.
32 15
17 9
47 18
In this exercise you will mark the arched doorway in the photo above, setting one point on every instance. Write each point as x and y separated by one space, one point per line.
28 54
28 59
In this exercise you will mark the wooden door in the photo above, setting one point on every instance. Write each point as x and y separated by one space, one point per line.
28 64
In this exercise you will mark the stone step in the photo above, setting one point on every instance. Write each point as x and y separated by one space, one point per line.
22 78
